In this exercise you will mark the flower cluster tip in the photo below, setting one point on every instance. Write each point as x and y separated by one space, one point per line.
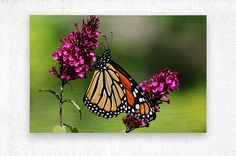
77 53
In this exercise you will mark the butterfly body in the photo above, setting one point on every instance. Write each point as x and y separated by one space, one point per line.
112 91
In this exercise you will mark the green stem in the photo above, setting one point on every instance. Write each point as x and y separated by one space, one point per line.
61 122
61 101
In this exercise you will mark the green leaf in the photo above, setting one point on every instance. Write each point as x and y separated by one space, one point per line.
50 91
69 85
75 104
71 128
59 129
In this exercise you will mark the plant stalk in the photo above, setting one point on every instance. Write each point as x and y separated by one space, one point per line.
61 122
61 103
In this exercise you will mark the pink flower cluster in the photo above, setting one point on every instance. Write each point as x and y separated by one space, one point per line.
76 54
157 89
131 123
160 85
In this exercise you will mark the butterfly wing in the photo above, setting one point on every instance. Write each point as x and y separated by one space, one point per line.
105 95
137 103
113 91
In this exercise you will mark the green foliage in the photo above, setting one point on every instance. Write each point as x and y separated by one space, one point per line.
50 91
71 128
74 104
59 129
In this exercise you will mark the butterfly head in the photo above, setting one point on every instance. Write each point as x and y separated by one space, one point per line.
103 60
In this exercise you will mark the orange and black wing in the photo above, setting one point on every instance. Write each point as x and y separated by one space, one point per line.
113 91
105 95
137 103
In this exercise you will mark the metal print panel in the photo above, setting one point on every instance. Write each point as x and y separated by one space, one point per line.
119 74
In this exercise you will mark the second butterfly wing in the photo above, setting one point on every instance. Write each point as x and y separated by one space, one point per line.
137 103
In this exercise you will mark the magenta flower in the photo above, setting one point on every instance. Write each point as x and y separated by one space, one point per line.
160 85
131 123
156 89
76 55
53 71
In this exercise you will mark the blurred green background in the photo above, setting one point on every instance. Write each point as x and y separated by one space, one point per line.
142 45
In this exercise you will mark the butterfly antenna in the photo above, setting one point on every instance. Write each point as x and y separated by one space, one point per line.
111 38
106 42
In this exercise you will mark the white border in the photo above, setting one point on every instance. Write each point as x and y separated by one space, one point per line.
14 93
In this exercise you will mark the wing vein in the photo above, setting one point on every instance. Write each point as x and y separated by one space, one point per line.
95 86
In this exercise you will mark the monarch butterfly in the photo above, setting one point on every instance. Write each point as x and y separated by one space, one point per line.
112 91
